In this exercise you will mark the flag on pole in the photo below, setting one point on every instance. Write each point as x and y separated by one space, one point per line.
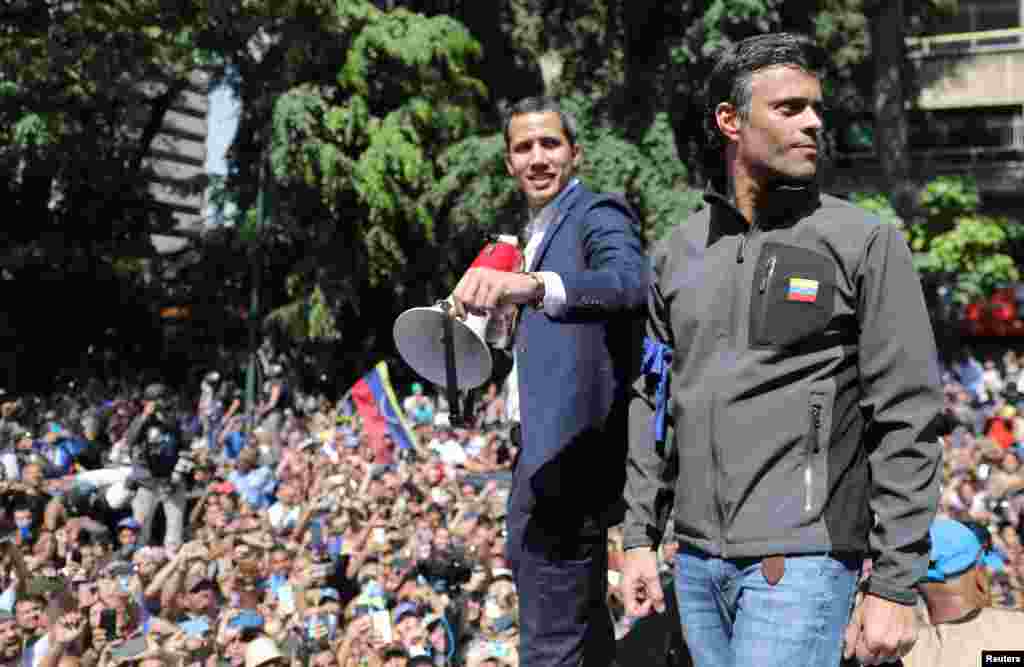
378 408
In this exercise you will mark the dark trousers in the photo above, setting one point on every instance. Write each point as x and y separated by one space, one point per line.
560 562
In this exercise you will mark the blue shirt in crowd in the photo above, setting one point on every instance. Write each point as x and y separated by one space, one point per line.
254 487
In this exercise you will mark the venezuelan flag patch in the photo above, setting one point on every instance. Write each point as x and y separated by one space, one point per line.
802 289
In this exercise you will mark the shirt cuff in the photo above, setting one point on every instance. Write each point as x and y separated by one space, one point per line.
554 293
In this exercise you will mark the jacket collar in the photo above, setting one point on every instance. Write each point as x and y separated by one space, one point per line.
561 203
784 206
557 210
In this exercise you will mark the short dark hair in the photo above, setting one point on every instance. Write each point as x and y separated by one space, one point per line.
542 105
732 70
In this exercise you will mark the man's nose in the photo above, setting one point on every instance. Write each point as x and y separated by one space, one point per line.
813 121
538 155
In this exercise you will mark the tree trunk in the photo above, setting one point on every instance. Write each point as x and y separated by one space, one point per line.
508 77
891 143
643 28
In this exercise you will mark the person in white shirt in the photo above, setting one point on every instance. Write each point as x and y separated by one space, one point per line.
447 447
285 513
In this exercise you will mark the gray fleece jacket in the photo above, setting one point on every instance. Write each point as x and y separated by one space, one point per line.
803 394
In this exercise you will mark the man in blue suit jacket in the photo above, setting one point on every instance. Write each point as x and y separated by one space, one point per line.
577 348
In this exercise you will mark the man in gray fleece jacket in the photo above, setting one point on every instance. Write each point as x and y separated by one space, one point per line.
790 356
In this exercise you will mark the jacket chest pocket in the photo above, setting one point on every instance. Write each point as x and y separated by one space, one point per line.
792 295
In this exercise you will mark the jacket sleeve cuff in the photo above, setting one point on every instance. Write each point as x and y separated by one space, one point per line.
637 543
554 293
898 594
639 533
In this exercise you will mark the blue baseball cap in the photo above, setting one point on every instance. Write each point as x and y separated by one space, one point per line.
129 523
955 549
405 609
246 619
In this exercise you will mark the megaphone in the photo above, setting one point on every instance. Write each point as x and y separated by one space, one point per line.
456 353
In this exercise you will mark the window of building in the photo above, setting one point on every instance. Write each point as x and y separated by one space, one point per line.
993 127
981 15
977 16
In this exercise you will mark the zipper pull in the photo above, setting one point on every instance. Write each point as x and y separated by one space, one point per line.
808 488
816 421
815 436
769 270
743 241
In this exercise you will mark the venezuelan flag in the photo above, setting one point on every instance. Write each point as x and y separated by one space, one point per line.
802 289
379 409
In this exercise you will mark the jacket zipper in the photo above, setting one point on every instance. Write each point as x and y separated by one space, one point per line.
743 242
812 450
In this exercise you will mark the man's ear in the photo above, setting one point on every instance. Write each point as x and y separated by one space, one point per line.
577 156
508 164
728 120
983 584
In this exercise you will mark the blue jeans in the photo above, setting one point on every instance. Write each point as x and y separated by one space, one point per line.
732 616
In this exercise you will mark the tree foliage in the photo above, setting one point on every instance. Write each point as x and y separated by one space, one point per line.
84 88
956 242
84 91
354 150
374 127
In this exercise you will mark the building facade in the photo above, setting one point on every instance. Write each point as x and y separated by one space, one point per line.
968 115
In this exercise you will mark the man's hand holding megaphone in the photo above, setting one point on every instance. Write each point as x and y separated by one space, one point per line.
449 343
483 289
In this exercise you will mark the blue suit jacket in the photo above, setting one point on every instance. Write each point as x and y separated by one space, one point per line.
574 372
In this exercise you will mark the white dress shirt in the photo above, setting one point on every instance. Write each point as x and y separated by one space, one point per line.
554 289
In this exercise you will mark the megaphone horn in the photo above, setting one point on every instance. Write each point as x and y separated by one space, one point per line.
420 332
419 337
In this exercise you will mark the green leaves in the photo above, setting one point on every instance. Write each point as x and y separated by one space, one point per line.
947 196
355 151
974 251
427 55
955 241
32 130
723 14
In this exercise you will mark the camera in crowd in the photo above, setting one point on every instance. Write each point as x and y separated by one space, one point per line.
999 506
184 469
82 499
451 569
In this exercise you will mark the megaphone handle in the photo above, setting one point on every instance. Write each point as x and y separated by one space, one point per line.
451 378
467 408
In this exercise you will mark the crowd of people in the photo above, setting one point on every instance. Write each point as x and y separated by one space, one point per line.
983 447
143 525
298 539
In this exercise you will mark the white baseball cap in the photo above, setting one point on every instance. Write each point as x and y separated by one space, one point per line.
261 651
